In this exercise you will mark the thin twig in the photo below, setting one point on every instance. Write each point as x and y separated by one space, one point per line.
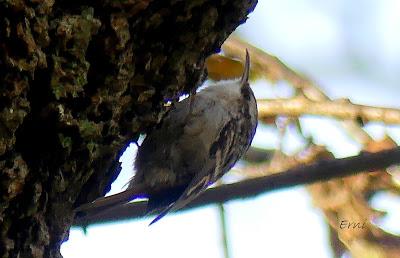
224 230
223 226
341 109
319 171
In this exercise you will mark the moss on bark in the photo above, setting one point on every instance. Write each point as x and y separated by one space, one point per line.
79 80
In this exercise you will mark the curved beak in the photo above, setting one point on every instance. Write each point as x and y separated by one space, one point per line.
245 77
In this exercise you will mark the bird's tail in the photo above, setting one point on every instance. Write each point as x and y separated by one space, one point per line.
104 203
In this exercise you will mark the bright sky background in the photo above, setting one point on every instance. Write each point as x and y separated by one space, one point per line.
352 48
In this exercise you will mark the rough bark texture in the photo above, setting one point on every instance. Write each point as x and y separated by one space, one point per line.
79 80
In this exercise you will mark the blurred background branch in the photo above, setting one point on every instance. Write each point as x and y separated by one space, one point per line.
339 109
307 174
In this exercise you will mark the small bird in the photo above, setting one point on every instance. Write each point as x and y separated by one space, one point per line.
197 142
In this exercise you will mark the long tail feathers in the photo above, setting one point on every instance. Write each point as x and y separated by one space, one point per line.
104 203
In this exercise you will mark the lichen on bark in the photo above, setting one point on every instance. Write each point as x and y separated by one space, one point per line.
78 82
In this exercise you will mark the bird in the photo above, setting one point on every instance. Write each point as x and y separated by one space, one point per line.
198 140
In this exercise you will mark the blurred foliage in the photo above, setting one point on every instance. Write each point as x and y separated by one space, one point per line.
223 68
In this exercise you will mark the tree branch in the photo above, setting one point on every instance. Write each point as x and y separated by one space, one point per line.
341 109
319 171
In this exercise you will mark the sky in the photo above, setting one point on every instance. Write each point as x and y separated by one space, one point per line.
352 49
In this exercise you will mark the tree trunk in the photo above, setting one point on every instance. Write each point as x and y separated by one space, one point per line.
79 80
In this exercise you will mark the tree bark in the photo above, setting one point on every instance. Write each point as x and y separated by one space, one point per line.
79 80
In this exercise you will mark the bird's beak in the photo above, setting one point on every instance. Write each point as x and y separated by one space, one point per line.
245 77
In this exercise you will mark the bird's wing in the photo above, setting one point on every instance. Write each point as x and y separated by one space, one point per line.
196 186
213 164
